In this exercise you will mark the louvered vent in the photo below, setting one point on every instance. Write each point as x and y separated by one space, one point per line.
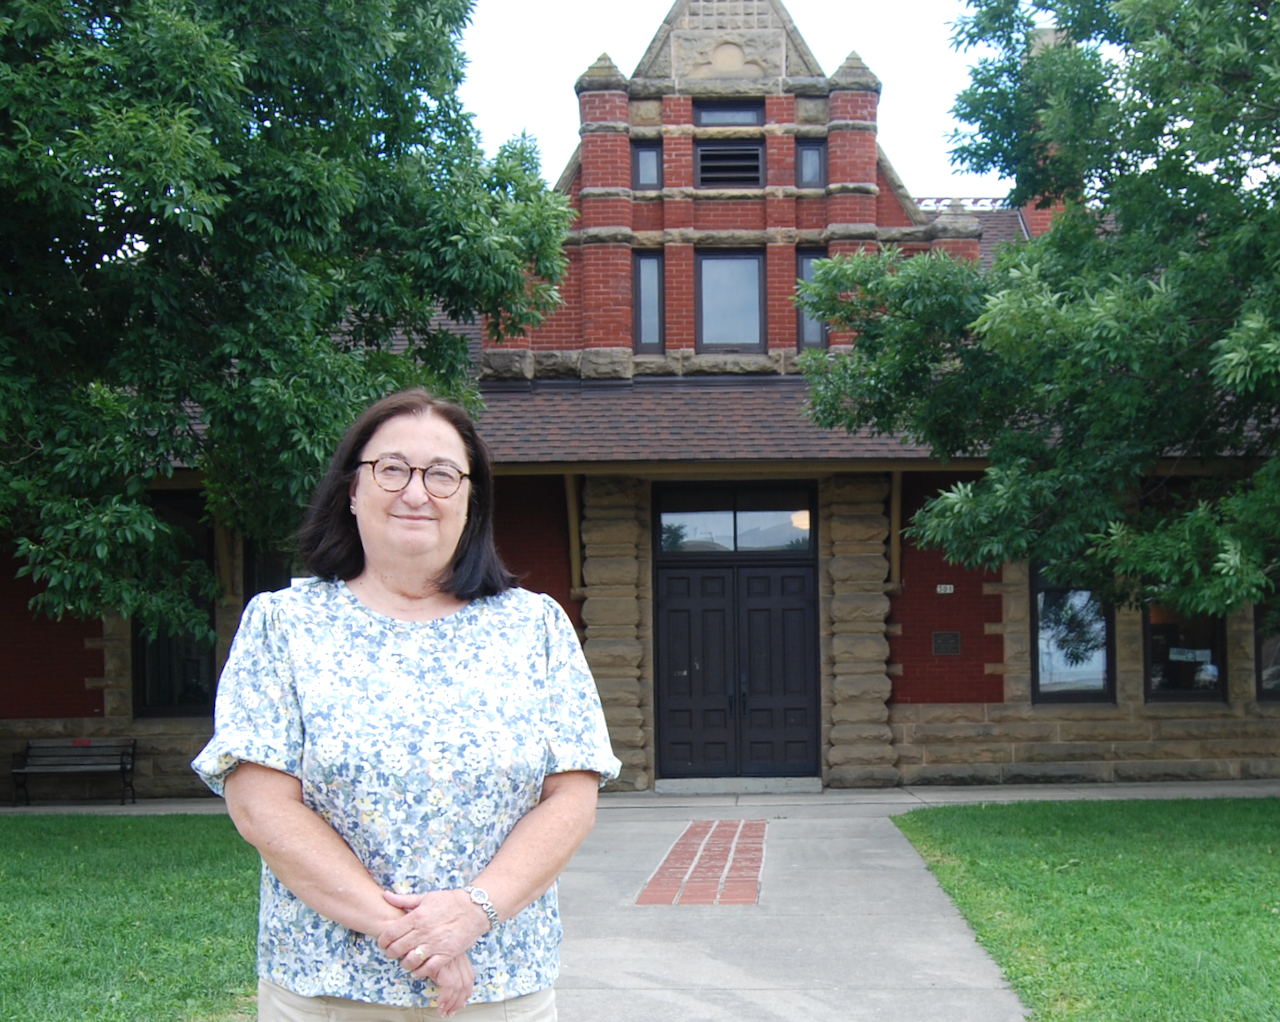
730 164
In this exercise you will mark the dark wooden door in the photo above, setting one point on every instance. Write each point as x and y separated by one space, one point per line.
737 684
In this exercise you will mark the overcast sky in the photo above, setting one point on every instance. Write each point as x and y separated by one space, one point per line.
525 56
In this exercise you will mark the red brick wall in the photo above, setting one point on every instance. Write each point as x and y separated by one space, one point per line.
531 526
647 216
606 296
1038 220
919 611
780 273
889 211
678 282
728 215
44 661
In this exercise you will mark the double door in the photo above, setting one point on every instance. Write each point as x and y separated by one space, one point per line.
737 678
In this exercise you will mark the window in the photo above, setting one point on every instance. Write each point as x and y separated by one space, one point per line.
1074 655
811 163
810 332
646 293
730 164
729 300
1267 656
722 520
173 675
1186 657
710 114
646 165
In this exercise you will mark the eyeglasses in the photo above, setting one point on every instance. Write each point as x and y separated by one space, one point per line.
393 475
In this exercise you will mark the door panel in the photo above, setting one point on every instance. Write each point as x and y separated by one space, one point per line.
697 733
737 680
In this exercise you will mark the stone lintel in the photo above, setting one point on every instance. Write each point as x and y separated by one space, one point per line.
604 128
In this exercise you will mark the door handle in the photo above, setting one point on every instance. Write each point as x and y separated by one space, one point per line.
742 693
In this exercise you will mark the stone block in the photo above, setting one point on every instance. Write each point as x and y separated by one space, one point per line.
613 652
117 703
606 364
1239 748
1104 731
618 692
847 733
950 773
904 713
611 531
626 738
556 365
1029 732
909 753
1174 770
865 648
864 568
636 759
1061 773
506 364
969 752
610 571
610 611
871 607
859 713
624 716
1017 688
862 753
1218 729
1000 712
952 713
730 365
850 775
858 489
859 528
1260 769
861 688
610 491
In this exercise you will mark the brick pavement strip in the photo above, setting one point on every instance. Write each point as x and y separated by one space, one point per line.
714 862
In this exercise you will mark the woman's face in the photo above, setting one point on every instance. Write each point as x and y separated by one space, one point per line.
411 524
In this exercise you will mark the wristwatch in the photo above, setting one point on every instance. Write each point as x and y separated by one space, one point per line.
480 897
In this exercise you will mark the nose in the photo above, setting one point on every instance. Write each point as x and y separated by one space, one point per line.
419 492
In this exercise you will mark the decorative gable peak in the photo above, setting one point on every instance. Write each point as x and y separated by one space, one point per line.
854 76
601 76
728 47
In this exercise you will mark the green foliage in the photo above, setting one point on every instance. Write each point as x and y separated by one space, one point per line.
227 227
121 919
1159 911
1122 372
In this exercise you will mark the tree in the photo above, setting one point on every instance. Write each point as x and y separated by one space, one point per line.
227 226
1122 372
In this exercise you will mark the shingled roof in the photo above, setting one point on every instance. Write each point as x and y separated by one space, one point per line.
658 421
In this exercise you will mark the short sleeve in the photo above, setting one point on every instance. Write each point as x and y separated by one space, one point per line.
256 716
579 738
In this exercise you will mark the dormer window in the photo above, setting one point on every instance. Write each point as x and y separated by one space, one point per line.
721 114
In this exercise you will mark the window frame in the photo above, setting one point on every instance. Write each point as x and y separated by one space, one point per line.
639 346
1108 693
802 318
739 144
729 498
820 145
1219 695
761 345
753 106
636 149
1261 694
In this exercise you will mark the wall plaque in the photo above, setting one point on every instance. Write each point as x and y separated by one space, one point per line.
946 643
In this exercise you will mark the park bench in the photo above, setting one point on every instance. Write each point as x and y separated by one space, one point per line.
76 756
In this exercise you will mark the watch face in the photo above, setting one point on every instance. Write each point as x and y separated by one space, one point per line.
478 896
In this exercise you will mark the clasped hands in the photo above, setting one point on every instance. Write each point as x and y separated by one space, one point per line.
431 941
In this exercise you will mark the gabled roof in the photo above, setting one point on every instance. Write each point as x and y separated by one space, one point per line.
716 42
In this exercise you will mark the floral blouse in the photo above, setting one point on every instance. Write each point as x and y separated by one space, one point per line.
420 743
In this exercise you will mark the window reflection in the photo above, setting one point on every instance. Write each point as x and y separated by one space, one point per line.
1072 641
773 530
719 521
697 531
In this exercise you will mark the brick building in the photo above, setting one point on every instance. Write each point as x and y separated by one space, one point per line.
747 601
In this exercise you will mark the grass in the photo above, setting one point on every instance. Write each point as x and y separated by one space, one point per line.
1151 911
126 919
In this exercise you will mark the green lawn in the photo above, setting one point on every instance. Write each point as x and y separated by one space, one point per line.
126 919
1151 911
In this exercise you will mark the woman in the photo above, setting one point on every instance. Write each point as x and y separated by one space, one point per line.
413 745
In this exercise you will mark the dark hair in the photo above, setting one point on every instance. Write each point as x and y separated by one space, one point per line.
329 543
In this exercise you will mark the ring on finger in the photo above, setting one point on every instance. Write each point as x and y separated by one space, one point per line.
422 952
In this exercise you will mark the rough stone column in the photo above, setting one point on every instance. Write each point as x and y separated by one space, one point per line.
614 544
117 667
854 566
1016 600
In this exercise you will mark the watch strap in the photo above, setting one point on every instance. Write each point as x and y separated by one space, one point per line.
480 897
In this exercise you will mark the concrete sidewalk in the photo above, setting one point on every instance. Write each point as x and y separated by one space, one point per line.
850 926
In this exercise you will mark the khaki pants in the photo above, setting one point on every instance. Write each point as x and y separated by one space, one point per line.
276 1004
